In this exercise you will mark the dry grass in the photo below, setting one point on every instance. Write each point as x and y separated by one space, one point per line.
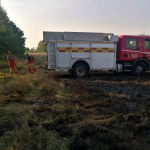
40 111
19 126
20 129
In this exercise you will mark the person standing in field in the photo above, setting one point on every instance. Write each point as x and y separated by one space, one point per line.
30 63
12 64
47 60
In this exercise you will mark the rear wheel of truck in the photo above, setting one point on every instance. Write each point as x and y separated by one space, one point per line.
80 70
140 68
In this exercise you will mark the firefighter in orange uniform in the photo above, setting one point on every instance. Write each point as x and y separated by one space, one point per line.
47 61
12 64
30 63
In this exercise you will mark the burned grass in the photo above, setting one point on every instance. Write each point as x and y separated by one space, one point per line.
120 107
48 111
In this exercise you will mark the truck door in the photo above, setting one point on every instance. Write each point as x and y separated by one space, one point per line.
145 48
63 54
132 47
103 56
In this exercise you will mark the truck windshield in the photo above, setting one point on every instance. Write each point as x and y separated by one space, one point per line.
147 44
131 43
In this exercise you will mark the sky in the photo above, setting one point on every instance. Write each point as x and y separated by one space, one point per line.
121 17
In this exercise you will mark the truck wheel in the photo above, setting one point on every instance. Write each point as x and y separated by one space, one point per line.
140 68
80 70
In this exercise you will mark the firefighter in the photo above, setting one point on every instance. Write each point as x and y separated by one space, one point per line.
30 63
47 61
12 64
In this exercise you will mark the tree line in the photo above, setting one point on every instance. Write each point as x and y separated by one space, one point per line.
41 48
11 37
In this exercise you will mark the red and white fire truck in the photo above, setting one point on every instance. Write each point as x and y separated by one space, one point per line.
80 52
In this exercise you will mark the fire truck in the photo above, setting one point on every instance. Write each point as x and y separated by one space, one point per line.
81 52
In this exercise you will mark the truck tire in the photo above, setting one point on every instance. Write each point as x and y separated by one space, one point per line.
140 68
80 70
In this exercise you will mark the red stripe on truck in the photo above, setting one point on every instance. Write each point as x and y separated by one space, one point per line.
75 51
111 51
105 48
67 48
61 50
99 51
86 51
80 48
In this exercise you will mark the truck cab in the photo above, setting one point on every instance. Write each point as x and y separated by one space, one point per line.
133 53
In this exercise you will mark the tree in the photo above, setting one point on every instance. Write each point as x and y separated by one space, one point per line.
143 34
41 47
11 37
27 50
33 50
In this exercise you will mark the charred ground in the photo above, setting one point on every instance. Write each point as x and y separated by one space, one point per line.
55 111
